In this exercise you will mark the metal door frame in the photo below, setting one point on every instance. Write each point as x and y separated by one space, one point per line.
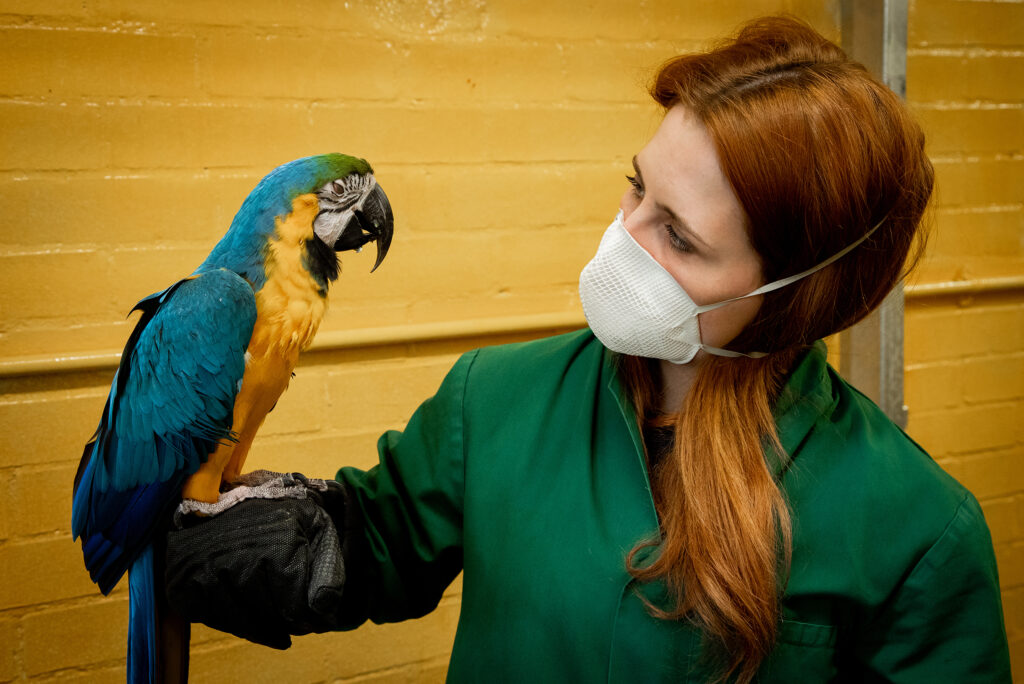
874 32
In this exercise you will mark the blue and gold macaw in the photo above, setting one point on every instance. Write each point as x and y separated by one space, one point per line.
206 362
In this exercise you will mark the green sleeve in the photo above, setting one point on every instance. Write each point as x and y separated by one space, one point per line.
404 526
945 621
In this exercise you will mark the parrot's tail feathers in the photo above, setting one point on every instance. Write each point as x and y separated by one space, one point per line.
142 619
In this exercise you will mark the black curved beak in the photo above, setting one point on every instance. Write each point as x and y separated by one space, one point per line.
373 222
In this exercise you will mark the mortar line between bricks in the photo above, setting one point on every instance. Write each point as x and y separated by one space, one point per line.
958 210
974 157
966 105
964 52
34 468
101 249
26 609
121 248
158 28
421 105
1009 545
37 538
118 663
19 648
207 172
18 175
975 455
998 404
393 668
911 47
1004 498
960 359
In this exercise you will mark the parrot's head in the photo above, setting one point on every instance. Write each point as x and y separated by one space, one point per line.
342 208
353 208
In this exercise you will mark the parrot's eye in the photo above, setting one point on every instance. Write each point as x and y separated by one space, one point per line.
346 192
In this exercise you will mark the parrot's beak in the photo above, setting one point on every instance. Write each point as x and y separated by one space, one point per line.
372 221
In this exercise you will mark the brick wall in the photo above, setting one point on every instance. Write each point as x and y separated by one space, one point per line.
965 347
130 133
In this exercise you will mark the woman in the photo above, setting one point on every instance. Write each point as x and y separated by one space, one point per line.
693 494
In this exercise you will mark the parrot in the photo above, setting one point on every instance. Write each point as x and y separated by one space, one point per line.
205 363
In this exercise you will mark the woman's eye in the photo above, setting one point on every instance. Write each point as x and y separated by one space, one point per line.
678 243
638 189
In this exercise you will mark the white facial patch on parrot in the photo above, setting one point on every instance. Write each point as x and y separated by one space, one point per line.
339 200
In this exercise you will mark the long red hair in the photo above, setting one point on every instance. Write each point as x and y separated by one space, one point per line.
818 152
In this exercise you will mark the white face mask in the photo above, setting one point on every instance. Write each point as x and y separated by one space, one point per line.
635 307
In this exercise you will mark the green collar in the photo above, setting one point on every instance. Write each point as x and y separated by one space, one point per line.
806 397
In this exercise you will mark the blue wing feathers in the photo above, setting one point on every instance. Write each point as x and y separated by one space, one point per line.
170 404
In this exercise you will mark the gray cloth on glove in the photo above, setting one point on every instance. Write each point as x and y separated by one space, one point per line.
259 484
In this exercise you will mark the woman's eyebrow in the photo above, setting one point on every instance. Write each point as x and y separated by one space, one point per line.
676 218
636 168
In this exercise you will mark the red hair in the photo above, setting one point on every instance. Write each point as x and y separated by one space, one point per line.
818 152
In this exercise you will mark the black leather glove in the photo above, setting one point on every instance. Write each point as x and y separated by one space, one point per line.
263 563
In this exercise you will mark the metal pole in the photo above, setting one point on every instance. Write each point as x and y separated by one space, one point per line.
871 353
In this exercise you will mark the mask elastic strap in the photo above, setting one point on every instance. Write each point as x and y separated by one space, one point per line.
717 351
791 279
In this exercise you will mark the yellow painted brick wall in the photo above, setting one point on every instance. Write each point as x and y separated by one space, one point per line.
965 353
131 131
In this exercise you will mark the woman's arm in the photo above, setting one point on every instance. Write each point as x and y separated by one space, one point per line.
381 544
944 623
405 513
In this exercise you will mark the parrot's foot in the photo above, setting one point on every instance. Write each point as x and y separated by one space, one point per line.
259 484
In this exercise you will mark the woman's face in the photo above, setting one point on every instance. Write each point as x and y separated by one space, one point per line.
682 210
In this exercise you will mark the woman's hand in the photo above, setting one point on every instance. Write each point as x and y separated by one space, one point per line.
266 565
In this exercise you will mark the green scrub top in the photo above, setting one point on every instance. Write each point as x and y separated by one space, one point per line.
526 472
